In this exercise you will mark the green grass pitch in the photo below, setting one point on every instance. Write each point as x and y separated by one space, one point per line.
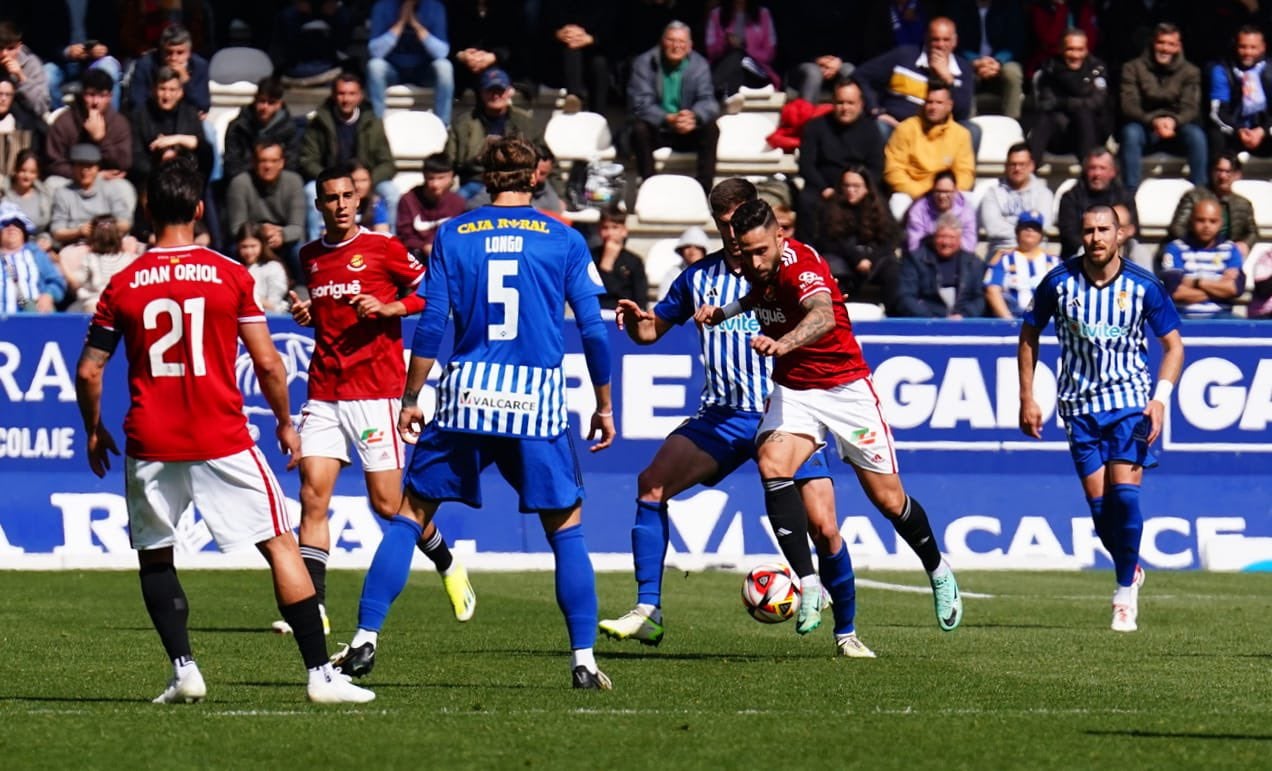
1033 679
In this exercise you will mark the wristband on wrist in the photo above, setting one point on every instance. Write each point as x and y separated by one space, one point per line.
609 414
410 400
732 309
1163 391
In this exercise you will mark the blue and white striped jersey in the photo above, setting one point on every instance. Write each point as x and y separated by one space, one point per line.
1103 345
736 376
504 274
1018 274
1202 262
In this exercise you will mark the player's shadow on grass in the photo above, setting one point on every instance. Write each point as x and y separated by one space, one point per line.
1182 735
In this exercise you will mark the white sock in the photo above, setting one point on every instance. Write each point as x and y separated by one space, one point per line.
810 586
840 637
941 571
322 674
582 657
364 636
647 609
183 665
1125 595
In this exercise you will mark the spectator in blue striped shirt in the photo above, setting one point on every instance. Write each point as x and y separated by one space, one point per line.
1203 271
1102 304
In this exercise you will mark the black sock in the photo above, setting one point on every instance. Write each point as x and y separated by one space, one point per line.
435 548
166 603
914 527
306 624
790 523
316 564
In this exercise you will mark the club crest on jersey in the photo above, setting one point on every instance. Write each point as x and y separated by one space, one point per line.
808 278
356 263
1122 301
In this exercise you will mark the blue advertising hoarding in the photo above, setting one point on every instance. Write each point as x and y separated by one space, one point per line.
996 498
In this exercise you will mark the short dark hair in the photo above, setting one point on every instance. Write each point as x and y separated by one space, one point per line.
1098 151
174 35
939 85
612 215
163 75
339 171
346 77
1247 29
544 152
438 163
1165 28
10 33
1103 207
173 192
509 164
266 141
1020 147
731 192
97 79
1231 156
843 81
270 87
751 215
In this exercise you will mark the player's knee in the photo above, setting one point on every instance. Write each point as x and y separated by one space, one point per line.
825 536
770 469
890 503
385 507
649 485
312 502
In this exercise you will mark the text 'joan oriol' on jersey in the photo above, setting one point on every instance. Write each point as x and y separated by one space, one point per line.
736 376
505 273
1103 345
831 360
178 312
357 358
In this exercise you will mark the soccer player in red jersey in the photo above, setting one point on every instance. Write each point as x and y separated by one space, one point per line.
181 310
360 285
821 385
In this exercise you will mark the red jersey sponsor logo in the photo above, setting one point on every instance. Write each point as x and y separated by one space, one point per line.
336 290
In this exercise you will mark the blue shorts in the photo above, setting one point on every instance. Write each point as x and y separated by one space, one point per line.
447 466
1100 438
728 436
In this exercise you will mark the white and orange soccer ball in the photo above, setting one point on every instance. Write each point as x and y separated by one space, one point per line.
771 593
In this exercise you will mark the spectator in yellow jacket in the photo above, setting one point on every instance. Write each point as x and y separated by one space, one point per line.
924 145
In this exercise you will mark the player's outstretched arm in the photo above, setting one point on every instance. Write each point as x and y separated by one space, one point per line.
1026 362
642 326
711 315
88 394
272 376
819 318
1167 374
411 418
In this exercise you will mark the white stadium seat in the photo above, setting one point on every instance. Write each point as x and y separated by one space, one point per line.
1260 194
672 199
404 181
982 186
579 137
998 133
414 135
1155 202
863 311
742 139
660 260
1059 193
239 64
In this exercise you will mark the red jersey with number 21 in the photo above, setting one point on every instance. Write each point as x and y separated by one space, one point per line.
834 358
357 358
178 312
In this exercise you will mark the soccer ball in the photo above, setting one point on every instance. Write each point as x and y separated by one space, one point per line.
771 593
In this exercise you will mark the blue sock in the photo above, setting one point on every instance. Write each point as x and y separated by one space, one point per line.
649 550
1104 527
1129 524
838 578
575 585
390 567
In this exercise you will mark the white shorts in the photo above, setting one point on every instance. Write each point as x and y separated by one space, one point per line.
238 496
850 413
328 428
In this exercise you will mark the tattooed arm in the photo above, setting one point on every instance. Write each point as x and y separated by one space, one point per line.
819 318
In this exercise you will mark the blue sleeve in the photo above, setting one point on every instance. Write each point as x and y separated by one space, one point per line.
52 282
593 330
380 216
434 20
677 306
1171 257
581 277
1220 89
1234 262
1161 314
435 288
382 40
1043 306
198 89
997 274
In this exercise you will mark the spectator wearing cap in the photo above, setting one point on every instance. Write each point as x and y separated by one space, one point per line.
672 102
1017 191
266 117
409 44
494 116
91 119
691 246
29 281
88 195
940 279
1015 272
622 272
425 207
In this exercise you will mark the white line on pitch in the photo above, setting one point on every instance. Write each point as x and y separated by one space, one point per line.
871 584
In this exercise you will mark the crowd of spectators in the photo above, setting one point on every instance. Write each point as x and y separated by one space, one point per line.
94 93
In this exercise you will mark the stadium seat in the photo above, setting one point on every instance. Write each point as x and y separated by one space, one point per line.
239 64
1155 202
864 311
579 137
982 186
407 97
660 259
221 118
765 99
1260 194
998 133
404 181
743 149
1055 201
414 135
672 199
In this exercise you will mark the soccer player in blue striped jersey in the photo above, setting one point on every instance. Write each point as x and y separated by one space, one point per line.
1102 305
503 273
721 437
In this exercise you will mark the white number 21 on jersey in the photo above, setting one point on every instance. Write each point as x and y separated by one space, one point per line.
193 308
497 293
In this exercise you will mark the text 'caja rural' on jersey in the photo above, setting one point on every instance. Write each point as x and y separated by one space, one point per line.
357 358
735 376
1103 346
178 311
833 359
504 275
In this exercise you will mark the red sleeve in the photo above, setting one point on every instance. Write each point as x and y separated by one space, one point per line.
248 310
403 268
104 316
807 279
